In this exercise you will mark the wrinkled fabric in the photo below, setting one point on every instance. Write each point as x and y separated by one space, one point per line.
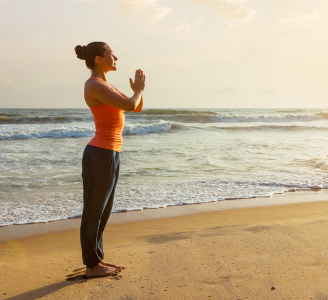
100 170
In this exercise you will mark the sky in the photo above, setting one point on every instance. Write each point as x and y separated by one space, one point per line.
195 53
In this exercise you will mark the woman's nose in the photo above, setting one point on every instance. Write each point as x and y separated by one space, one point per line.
115 58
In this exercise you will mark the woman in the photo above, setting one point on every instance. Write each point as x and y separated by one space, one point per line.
101 160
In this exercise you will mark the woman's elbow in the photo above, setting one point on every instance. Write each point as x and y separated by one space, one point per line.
131 106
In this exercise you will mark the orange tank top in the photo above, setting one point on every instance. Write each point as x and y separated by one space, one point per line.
109 123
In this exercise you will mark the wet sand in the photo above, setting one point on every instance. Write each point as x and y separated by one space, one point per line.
28 230
267 252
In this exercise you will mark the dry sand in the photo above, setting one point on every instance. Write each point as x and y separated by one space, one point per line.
230 254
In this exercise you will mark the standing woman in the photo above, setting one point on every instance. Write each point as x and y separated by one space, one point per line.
101 157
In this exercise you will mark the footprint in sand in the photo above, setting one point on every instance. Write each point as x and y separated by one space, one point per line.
79 269
77 275
225 279
313 264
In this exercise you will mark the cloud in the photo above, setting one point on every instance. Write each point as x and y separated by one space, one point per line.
299 12
154 13
183 24
233 10
149 8
199 21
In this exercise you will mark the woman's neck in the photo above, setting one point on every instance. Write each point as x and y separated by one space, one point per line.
99 74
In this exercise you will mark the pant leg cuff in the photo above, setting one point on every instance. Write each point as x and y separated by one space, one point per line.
93 265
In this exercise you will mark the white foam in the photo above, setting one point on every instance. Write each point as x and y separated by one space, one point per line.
169 157
36 131
59 206
77 130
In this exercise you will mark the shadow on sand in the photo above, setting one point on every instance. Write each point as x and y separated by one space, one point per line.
77 276
41 292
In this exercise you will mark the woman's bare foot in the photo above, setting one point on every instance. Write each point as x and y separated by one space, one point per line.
118 268
100 270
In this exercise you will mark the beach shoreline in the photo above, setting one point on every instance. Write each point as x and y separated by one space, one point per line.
13 232
169 157
265 252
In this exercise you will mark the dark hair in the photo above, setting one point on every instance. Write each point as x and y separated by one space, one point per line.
89 52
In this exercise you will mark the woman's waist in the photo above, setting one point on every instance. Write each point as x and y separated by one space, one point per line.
111 143
108 130
111 122
108 133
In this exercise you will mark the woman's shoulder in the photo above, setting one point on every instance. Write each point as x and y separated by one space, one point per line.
93 81
92 88
96 88
96 85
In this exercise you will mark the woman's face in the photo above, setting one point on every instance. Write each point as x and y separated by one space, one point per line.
108 61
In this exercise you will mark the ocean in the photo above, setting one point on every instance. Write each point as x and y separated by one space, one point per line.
169 157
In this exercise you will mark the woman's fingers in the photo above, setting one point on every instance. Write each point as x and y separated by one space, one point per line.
139 80
139 74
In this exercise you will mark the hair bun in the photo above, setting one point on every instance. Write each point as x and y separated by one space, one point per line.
81 51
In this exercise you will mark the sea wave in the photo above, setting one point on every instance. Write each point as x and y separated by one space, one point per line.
78 131
60 205
20 132
63 132
170 115
264 127
18 119
239 118
172 112
160 127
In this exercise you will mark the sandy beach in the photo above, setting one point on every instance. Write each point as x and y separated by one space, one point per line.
264 252
207 180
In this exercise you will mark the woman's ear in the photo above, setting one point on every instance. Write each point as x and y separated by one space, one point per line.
98 60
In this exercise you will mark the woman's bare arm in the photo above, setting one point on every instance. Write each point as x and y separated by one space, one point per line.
97 90
140 106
